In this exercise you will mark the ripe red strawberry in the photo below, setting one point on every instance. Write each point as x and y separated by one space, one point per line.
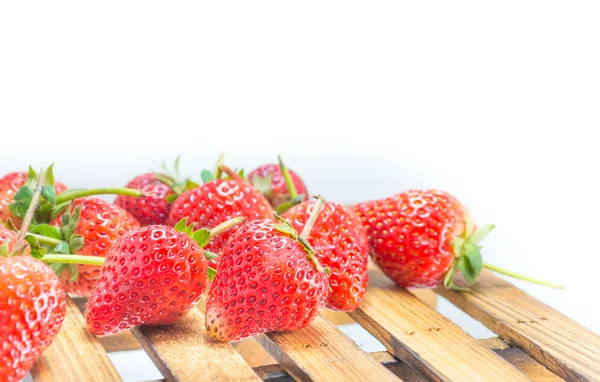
217 201
32 310
340 243
152 209
100 224
152 276
419 238
9 185
268 280
270 181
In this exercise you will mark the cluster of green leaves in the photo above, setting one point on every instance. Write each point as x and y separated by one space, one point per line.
174 180
286 228
467 252
201 237
24 196
61 240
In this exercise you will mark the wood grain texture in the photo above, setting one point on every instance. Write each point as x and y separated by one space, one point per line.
514 355
321 352
183 352
432 345
557 342
74 355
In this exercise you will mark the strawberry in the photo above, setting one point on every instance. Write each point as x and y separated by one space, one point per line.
152 276
422 238
32 308
268 280
91 231
270 180
217 201
411 235
9 186
162 189
340 243
152 209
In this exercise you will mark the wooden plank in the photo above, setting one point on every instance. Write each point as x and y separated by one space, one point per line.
183 352
568 349
74 355
321 352
514 355
432 345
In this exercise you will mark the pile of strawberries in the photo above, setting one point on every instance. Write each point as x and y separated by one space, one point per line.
271 257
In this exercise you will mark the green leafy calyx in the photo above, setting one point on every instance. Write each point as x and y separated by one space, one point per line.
200 236
286 228
467 254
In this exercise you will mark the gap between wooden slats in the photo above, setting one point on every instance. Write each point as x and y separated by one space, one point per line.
321 352
563 346
74 355
431 344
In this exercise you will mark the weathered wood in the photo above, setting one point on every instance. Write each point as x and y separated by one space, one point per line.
74 355
515 356
183 352
557 342
321 352
432 345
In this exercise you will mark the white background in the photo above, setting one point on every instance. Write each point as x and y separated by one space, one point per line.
497 103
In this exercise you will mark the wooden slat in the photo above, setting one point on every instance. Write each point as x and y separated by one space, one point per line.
431 344
559 343
183 352
321 352
514 355
74 355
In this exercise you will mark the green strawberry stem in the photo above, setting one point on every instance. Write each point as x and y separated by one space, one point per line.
75 194
232 174
518 276
45 239
313 216
30 211
225 226
288 178
73 259
218 171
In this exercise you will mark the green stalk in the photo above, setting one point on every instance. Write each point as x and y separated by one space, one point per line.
45 239
232 174
518 276
33 205
218 172
75 194
313 217
73 259
288 178
225 226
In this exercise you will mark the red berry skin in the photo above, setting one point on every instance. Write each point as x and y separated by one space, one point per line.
214 203
152 276
265 283
279 190
9 185
32 310
149 210
11 237
411 233
101 224
340 243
